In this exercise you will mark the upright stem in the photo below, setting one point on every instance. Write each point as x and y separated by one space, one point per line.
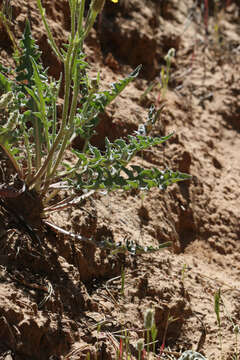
49 33
37 142
70 118
80 19
73 17
70 70
13 160
29 157
62 130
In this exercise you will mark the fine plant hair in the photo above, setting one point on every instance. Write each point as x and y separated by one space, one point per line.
35 138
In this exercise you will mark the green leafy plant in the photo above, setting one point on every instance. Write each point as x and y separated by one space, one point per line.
140 347
165 72
35 139
162 82
148 325
154 332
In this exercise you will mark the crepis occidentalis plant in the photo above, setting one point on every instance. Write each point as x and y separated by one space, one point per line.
36 139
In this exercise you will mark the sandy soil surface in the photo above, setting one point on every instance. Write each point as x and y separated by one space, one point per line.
63 299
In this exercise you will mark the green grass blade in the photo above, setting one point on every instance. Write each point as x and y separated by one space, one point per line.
217 298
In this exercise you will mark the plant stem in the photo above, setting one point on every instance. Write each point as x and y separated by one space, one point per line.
29 157
148 340
62 130
49 33
13 161
80 19
73 5
70 122
37 140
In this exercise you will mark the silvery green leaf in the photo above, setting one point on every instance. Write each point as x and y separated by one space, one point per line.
191 355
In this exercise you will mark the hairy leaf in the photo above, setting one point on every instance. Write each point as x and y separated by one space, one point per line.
109 171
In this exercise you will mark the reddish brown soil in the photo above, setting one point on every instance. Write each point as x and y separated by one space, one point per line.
200 217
